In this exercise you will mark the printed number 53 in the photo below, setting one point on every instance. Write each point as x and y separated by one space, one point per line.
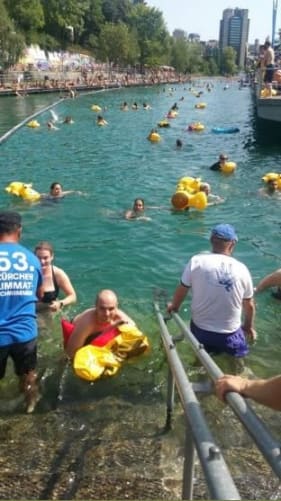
17 260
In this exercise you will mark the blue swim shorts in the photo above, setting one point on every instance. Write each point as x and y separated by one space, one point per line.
233 343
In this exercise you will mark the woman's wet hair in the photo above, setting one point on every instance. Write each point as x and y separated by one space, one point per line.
55 184
44 245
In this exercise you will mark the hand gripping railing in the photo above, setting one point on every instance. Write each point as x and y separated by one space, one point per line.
218 478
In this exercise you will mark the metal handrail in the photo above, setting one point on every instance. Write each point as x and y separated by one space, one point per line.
218 478
269 447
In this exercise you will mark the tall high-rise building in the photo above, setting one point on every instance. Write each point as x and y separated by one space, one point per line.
234 32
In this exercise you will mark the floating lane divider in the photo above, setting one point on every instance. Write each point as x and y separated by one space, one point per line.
28 119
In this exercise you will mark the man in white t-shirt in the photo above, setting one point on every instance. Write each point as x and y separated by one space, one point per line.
222 292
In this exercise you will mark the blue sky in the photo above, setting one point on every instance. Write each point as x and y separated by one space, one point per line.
203 16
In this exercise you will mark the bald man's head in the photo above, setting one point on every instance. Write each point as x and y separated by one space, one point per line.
106 305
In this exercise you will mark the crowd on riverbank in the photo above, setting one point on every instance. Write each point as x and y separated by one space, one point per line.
71 82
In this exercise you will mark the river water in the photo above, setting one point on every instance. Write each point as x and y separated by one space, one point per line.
116 422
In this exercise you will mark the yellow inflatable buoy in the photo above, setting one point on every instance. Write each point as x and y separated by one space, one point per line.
33 124
23 190
200 106
163 123
154 137
188 194
183 199
273 176
198 127
96 108
228 167
268 92
191 184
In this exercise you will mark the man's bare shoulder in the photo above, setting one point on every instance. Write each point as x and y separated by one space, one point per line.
85 316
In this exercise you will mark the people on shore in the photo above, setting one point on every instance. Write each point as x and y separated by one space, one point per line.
271 280
264 391
20 289
222 291
95 320
268 60
55 280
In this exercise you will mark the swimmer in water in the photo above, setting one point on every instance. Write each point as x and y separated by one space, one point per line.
137 212
101 120
68 120
56 192
50 125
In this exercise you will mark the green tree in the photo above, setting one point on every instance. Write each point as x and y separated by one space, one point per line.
28 15
195 58
153 37
116 11
213 68
62 14
179 54
116 42
228 58
11 43
94 20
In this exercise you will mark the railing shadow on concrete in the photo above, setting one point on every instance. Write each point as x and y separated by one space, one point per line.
197 433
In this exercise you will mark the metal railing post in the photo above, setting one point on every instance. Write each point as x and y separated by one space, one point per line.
188 465
170 399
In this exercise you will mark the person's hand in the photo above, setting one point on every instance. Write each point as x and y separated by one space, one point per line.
251 333
228 383
171 308
55 306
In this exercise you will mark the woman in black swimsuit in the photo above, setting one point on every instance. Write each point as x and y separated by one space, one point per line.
54 281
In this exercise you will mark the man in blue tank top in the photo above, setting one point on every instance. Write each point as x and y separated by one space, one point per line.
20 287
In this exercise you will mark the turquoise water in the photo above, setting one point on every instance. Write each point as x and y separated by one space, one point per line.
112 165
98 248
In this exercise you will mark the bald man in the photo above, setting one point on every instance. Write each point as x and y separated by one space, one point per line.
93 321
